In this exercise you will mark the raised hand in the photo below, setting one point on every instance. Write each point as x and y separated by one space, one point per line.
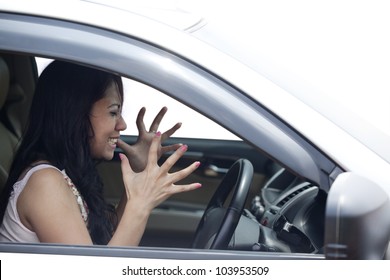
154 184
138 152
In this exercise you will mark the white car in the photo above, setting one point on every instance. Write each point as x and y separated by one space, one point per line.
310 177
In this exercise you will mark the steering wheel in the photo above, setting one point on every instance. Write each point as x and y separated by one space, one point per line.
218 224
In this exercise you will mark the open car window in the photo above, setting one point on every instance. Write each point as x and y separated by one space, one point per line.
138 95
177 221
194 125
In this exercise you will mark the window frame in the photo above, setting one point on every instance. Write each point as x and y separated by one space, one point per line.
173 75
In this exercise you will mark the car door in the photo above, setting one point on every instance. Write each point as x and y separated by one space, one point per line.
262 137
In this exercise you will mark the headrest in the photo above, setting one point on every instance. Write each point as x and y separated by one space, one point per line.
4 81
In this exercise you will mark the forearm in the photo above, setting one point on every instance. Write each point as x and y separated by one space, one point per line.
120 208
131 226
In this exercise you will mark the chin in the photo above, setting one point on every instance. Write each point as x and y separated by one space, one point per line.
109 157
106 156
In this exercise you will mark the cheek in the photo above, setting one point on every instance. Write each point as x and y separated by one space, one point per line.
97 137
94 146
102 132
101 128
98 147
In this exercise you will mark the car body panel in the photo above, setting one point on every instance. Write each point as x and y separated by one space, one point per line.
149 253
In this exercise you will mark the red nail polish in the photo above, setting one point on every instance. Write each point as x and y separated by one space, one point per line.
158 133
198 186
184 148
197 164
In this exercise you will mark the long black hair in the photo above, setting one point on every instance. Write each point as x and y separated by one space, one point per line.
59 131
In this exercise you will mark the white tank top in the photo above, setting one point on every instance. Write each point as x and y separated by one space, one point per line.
12 229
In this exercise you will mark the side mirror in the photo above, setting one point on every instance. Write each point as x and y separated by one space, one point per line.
357 224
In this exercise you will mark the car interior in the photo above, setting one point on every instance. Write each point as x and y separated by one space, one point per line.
17 78
274 210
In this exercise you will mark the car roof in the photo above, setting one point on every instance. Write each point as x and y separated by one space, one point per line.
194 30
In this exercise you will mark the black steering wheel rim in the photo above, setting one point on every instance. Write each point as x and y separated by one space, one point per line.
218 224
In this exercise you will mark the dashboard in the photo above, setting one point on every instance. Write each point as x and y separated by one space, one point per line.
291 213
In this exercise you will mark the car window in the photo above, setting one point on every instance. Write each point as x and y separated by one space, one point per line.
138 95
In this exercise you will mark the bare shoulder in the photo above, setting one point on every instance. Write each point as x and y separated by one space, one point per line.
47 180
45 188
47 206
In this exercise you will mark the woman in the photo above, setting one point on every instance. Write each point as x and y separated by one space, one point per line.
54 193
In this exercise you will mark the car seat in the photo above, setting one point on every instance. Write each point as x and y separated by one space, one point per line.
8 140
18 77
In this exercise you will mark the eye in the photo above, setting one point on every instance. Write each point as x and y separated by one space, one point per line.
116 113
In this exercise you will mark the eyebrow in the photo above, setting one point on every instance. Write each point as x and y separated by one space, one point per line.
114 105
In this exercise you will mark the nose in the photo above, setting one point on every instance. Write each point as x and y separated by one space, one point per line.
121 124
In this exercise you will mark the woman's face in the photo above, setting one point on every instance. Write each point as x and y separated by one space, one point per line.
107 123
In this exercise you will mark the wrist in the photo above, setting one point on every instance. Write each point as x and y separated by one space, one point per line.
137 210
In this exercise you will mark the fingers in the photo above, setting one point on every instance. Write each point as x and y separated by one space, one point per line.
171 160
183 173
170 131
153 150
170 148
169 163
185 188
124 146
156 182
126 172
155 124
140 120
125 165
177 176
157 120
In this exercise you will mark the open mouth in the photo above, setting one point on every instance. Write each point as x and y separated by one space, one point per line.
112 141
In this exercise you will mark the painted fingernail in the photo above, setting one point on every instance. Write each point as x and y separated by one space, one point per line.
158 133
197 164
121 156
198 185
184 148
